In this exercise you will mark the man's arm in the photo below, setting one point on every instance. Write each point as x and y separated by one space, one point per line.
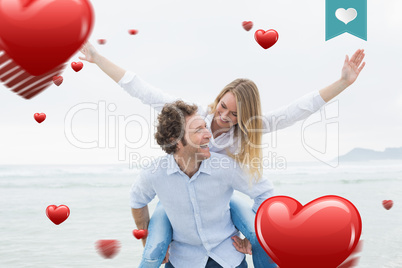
141 193
141 219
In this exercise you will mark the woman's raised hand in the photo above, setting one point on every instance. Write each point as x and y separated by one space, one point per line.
90 53
352 68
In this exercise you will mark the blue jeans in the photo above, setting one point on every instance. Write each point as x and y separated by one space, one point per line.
243 218
213 264
158 240
160 235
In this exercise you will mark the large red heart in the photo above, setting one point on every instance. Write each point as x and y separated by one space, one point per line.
266 39
108 248
57 214
323 233
40 35
20 81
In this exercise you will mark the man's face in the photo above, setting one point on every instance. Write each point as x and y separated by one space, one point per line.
197 137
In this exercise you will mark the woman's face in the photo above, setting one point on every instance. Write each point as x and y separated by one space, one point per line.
226 111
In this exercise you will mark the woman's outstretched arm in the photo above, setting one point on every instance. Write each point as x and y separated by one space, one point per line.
350 71
310 103
91 55
129 81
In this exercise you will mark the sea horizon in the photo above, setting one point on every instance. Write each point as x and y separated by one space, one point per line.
98 198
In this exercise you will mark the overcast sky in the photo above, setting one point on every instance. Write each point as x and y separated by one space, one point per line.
192 49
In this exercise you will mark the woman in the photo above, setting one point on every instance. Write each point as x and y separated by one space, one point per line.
234 119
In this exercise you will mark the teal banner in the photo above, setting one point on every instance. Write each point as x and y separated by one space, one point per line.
345 16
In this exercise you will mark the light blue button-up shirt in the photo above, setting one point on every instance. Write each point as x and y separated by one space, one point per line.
198 207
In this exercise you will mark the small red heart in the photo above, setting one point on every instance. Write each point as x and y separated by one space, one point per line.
132 31
140 233
387 204
57 214
107 248
77 66
102 41
40 35
323 233
40 117
266 39
247 25
57 80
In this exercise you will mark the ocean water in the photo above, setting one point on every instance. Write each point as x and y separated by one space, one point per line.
99 204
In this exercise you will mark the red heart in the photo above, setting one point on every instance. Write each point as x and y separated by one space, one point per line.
40 35
387 204
132 31
40 117
57 80
102 41
107 248
77 66
323 233
140 233
266 39
57 214
247 25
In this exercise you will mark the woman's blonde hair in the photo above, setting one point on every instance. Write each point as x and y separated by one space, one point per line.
249 119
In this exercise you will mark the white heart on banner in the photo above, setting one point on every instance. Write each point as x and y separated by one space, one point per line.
346 16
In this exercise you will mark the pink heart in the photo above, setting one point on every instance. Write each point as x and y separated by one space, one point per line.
266 39
108 248
247 25
387 204
57 80
323 233
102 41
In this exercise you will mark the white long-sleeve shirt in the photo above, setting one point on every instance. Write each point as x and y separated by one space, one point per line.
272 121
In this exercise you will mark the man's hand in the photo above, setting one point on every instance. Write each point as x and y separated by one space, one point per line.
144 241
166 259
242 245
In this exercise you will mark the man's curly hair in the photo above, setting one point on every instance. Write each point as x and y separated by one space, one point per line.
171 124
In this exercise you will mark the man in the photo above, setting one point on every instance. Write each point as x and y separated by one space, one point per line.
194 187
